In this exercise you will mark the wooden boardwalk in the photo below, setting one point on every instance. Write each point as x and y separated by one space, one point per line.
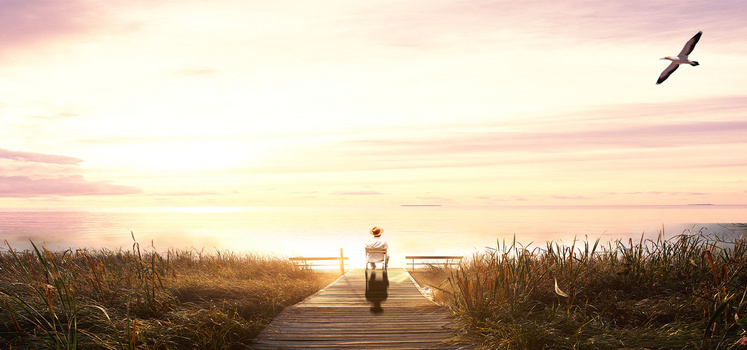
345 315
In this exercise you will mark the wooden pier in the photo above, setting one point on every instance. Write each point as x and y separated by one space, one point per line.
356 313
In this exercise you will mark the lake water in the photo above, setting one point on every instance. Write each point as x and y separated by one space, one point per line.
322 231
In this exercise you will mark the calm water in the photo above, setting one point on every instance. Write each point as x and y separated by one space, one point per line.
323 231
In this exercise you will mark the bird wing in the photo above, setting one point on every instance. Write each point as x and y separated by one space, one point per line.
667 72
690 45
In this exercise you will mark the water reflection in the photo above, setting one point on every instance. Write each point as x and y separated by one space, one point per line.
376 291
285 231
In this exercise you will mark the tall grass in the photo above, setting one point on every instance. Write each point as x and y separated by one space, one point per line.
687 292
140 299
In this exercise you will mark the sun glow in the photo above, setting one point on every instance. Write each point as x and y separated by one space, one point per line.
199 210
184 155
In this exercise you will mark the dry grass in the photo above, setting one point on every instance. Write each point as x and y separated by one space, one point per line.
687 292
435 279
139 299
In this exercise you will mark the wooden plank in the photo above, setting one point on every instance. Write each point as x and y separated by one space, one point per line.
342 316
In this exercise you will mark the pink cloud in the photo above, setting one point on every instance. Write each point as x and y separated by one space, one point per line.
550 24
26 23
38 157
618 127
73 185
660 193
689 134
27 174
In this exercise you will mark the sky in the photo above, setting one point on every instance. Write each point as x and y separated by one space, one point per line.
178 103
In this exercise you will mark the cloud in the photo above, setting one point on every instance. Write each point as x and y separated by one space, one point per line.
731 106
27 174
38 157
666 125
570 197
701 134
24 23
551 25
498 147
357 193
186 193
73 185
661 193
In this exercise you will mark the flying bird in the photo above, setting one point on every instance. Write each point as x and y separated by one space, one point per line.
681 58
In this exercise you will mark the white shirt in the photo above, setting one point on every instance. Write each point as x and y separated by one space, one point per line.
376 242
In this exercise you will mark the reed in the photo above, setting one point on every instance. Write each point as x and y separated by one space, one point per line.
140 299
686 292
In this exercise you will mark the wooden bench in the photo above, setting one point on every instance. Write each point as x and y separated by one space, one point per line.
434 260
308 262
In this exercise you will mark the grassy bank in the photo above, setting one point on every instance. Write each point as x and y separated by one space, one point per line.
139 299
687 292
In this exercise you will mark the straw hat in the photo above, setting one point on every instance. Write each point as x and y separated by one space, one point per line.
377 231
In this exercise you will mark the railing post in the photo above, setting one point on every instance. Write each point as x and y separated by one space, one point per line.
342 262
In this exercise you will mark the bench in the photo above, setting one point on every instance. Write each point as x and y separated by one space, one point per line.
308 262
433 260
